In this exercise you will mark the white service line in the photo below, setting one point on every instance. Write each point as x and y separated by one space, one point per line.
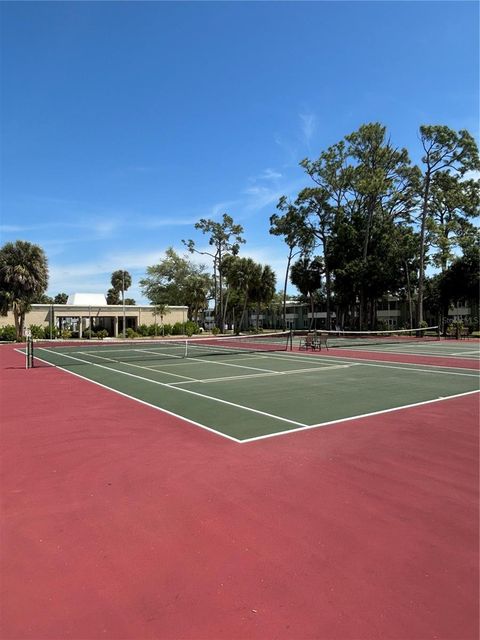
139 366
358 417
416 353
189 391
266 375
144 402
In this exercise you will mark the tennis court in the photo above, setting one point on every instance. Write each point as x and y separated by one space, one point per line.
259 388
122 521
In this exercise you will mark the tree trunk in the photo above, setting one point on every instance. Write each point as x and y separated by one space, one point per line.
285 290
19 318
226 307
220 284
421 268
409 296
243 312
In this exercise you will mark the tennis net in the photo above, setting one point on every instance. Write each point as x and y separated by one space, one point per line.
359 338
58 352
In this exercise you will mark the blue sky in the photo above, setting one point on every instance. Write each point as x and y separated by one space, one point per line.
125 123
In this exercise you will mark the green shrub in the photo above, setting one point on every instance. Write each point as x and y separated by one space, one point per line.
142 330
38 332
103 333
46 332
88 334
131 333
178 329
8 333
167 330
455 328
215 331
154 330
191 328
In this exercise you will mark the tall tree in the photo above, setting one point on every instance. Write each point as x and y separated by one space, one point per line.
61 298
225 238
113 296
23 277
121 281
160 310
448 151
197 290
383 187
454 203
320 216
264 290
243 276
461 281
364 184
170 282
292 226
306 275
321 205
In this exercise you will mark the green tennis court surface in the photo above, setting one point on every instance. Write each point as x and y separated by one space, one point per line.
252 395
460 349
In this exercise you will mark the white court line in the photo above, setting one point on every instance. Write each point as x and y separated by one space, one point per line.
144 402
301 427
474 374
404 365
139 366
266 375
358 417
416 353
467 353
189 391
187 360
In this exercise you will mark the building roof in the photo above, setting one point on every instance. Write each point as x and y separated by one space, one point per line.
87 299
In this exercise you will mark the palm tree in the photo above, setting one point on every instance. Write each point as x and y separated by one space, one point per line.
306 275
121 281
23 277
197 287
161 310
264 290
248 280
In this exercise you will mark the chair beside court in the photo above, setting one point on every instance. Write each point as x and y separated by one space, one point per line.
313 342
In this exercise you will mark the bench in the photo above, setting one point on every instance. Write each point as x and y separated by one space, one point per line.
313 342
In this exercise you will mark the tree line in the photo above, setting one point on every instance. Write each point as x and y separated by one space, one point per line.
377 220
366 226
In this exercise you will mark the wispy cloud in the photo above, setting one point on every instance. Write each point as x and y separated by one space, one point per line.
259 197
222 207
290 151
270 174
152 222
309 125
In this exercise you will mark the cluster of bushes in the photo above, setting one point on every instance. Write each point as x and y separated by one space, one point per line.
8 333
95 333
38 332
178 329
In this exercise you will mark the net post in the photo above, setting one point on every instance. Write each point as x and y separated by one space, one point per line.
29 353
290 340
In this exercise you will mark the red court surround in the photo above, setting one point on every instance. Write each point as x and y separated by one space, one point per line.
121 522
